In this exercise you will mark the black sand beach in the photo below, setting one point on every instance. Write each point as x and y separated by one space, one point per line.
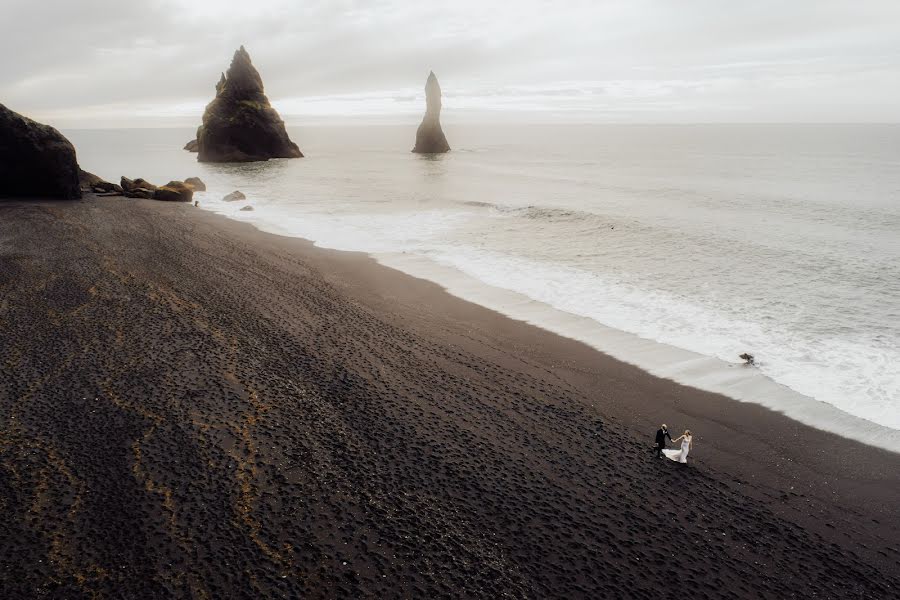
190 408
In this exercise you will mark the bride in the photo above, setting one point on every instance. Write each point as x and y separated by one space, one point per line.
680 455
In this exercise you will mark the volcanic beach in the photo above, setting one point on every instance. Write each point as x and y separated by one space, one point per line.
190 407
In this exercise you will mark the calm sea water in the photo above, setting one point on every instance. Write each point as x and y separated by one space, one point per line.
781 241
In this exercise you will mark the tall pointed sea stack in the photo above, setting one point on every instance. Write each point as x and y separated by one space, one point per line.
240 125
430 137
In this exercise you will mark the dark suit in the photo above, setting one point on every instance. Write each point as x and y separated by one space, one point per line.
661 435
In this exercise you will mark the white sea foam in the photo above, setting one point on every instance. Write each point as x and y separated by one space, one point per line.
817 368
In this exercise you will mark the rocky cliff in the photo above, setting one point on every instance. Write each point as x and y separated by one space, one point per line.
35 159
240 125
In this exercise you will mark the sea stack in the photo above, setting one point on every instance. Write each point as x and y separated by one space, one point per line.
430 137
35 159
240 125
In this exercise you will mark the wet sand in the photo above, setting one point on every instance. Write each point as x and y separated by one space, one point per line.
193 408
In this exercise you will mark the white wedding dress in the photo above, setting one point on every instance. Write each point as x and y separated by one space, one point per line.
680 455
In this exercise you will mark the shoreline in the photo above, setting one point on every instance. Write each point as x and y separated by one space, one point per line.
707 373
488 425
679 365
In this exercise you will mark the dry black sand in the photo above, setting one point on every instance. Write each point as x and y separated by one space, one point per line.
191 408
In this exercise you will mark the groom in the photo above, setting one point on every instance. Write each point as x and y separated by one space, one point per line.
661 434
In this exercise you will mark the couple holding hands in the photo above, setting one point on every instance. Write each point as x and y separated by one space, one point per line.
679 455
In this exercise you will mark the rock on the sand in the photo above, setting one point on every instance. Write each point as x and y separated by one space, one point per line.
129 185
195 184
240 125
140 193
87 180
246 208
93 183
192 146
174 191
234 196
430 137
105 187
35 159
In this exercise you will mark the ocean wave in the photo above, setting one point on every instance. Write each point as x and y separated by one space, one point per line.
855 374
547 214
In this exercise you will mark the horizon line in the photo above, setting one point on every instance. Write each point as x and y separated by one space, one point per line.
348 121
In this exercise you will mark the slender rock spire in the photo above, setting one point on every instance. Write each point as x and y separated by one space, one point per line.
430 138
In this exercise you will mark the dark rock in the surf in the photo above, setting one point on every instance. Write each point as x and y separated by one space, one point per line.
192 146
430 137
240 125
246 208
196 184
35 159
234 196
174 191
129 185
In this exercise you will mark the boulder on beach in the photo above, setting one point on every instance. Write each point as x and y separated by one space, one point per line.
130 185
192 146
88 180
196 184
35 159
246 208
137 188
140 193
105 187
240 125
174 191
234 196
143 183
430 137
93 183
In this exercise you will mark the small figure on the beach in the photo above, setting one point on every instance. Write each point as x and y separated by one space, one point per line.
682 454
748 358
661 435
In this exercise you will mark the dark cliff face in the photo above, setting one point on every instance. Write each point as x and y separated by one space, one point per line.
35 159
240 125
430 137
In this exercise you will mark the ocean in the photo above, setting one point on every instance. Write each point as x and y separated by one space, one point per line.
673 247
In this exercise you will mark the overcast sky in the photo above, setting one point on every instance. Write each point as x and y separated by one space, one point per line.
86 63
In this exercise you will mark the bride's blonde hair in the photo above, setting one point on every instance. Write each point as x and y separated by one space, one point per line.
687 432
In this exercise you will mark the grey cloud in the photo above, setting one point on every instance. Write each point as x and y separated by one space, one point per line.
63 57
